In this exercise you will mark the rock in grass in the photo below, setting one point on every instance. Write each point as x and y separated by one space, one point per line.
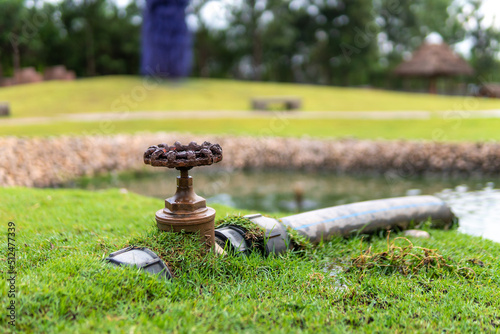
4 109
416 234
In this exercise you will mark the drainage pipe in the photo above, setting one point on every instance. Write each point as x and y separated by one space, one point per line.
342 220
370 216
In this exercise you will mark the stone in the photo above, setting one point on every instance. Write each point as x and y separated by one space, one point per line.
58 72
417 234
4 109
27 75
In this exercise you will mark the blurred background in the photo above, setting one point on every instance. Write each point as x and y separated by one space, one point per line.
315 102
328 42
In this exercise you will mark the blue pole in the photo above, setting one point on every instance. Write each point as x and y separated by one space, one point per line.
166 41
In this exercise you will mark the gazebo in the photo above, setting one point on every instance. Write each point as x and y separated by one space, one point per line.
490 90
432 61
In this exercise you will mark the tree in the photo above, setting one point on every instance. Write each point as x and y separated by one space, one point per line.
212 56
485 44
320 41
249 24
12 15
109 36
404 24
335 41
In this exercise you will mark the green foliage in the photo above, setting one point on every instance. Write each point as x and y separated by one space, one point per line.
353 42
12 15
331 42
106 33
280 41
405 24
485 49
90 37
65 286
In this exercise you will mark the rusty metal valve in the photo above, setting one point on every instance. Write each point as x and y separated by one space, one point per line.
185 210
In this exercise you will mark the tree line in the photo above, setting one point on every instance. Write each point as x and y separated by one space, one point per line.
338 42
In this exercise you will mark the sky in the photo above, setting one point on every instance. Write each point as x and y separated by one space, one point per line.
491 9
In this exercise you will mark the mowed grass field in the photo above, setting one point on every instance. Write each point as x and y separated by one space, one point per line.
127 93
122 94
64 286
433 129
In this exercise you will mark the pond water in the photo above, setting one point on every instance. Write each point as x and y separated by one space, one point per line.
474 200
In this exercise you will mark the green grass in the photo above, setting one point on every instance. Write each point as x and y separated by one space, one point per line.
64 286
433 129
122 93
105 94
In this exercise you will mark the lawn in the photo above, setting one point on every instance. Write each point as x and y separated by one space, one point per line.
64 286
127 93
122 94
433 129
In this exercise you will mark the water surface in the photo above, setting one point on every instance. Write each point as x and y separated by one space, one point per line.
474 200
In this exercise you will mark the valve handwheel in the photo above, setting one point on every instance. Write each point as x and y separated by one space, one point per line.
185 210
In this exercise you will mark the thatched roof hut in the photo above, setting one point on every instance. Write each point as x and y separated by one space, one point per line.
490 90
432 61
